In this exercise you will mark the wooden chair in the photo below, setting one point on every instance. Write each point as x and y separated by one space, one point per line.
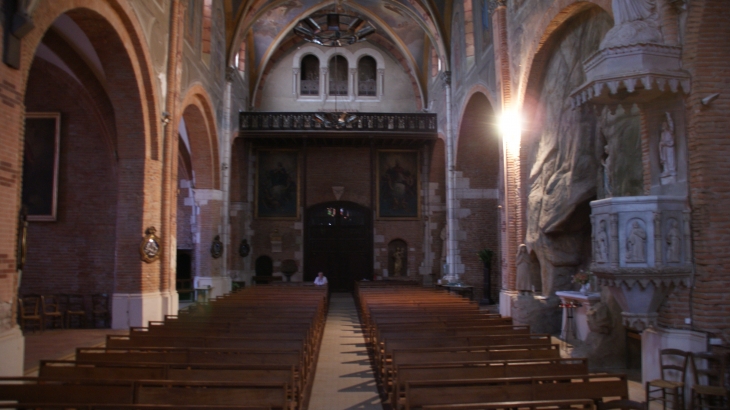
622 405
100 309
51 309
709 390
75 306
672 366
30 311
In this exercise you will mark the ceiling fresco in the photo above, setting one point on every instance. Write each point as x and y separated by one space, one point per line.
404 23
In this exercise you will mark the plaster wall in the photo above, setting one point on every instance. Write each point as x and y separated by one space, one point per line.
398 96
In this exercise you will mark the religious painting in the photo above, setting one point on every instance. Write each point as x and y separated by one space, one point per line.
40 165
277 184
398 184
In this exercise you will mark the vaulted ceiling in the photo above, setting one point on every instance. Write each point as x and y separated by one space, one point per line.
407 29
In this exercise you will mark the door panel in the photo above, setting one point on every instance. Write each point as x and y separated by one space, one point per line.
339 243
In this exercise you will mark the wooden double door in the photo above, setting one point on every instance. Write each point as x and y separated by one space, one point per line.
339 242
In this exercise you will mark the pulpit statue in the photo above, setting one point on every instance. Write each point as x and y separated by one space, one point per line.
524 280
636 22
674 243
666 147
606 163
602 243
636 244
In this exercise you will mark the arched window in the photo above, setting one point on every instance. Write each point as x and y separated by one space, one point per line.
366 80
338 76
309 76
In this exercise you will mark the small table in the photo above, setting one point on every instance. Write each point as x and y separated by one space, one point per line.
575 322
459 290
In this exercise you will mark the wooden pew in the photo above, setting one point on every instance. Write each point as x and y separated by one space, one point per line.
595 387
84 406
383 356
521 405
33 390
72 370
484 370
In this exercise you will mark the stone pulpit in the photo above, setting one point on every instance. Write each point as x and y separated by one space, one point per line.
641 250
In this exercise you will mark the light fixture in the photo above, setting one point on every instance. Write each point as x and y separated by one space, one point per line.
333 29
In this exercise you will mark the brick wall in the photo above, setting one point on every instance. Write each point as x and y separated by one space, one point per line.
707 57
75 253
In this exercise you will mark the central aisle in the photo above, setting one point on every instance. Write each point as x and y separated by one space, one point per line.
344 379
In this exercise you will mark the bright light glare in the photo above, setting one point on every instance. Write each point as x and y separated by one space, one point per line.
510 126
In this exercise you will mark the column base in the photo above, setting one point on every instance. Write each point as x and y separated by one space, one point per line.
137 309
12 351
219 285
505 302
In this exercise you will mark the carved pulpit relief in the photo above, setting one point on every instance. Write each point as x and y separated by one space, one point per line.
667 156
601 246
636 244
635 22
674 242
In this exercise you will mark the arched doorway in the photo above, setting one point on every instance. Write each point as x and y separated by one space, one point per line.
339 242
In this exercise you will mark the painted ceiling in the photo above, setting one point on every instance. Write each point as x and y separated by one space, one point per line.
406 26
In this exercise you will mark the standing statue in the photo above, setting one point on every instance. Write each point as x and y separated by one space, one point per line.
398 262
666 147
674 243
602 243
524 280
606 163
635 22
636 244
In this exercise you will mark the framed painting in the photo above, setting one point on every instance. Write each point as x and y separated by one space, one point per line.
277 184
398 184
40 165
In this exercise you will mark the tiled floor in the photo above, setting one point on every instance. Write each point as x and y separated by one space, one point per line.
59 344
344 379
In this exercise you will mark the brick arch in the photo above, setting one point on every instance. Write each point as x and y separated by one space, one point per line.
560 12
476 89
478 156
197 110
118 39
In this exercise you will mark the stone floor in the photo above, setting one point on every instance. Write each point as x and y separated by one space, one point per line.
344 378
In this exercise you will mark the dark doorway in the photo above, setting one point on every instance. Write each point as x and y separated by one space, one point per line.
339 242
264 267
183 276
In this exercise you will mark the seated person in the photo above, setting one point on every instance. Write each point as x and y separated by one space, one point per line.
320 280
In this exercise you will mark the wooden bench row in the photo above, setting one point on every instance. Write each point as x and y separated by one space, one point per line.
438 351
243 348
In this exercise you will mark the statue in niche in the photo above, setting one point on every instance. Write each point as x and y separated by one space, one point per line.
398 262
666 147
636 244
636 22
602 243
524 280
606 163
674 242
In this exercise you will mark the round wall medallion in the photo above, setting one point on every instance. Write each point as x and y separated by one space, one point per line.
149 249
216 249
